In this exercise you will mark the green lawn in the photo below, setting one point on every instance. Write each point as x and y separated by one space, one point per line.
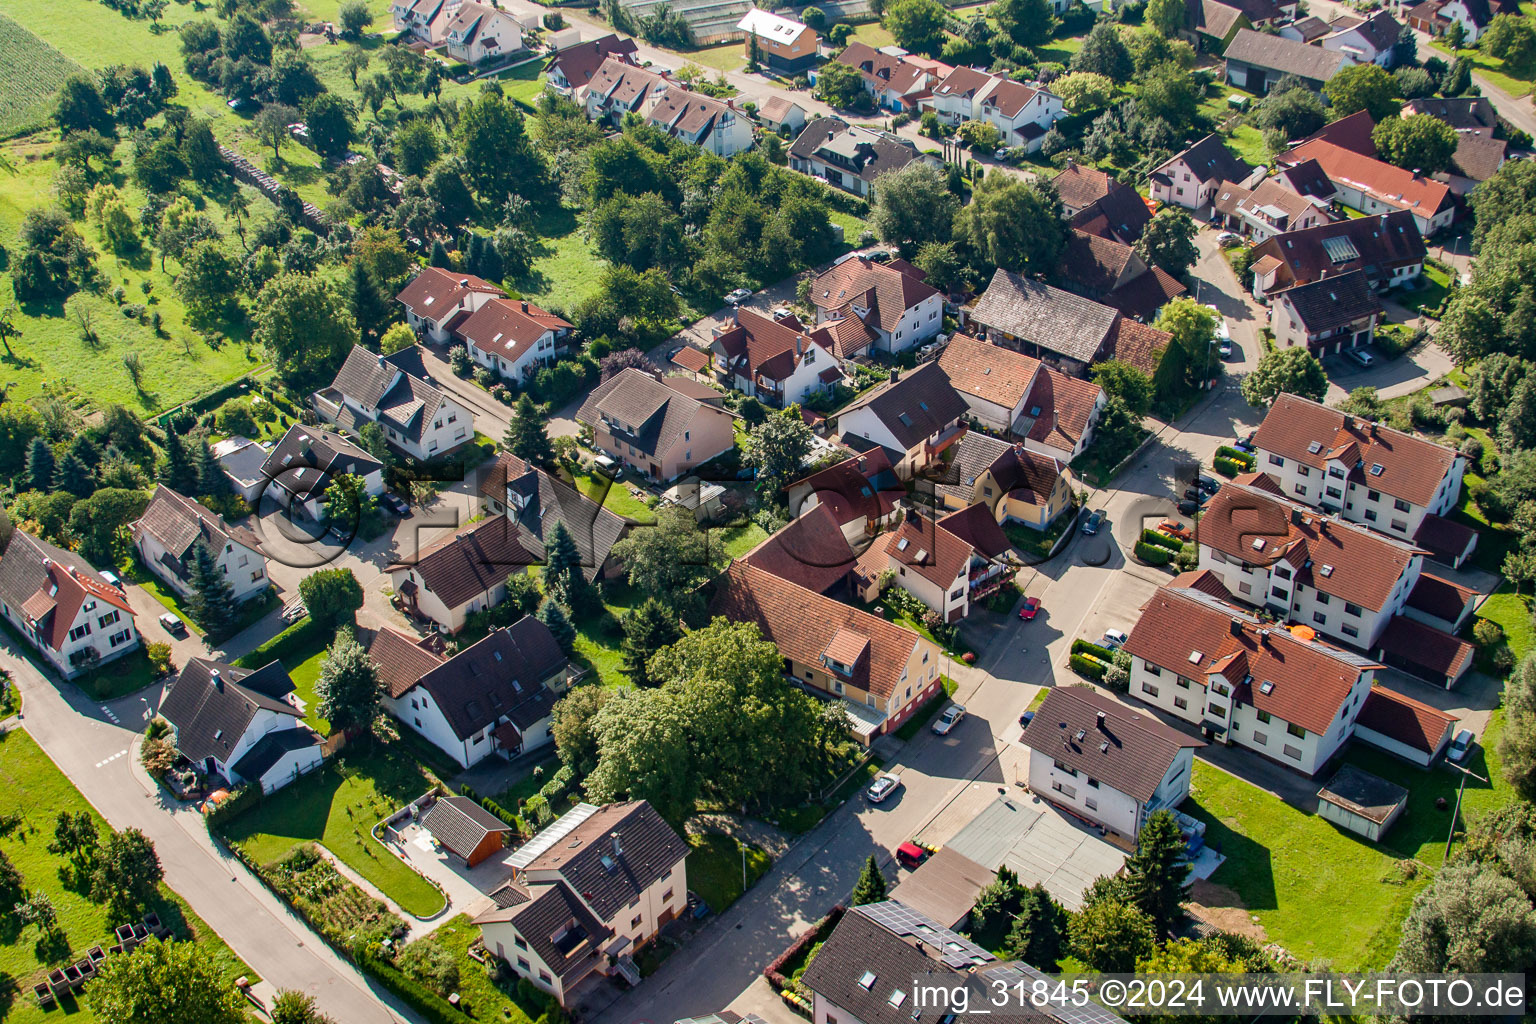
726 543
526 786
1431 292
1318 891
715 868
481 998
305 673
1059 51
873 33
1513 613
1248 143
568 270
1516 82
35 790
337 807
725 57
615 497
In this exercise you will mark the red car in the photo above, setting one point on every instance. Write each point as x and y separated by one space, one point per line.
1031 608
910 855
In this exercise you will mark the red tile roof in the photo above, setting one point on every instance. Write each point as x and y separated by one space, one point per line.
40 580
1066 405
1404 719
1080 185
1137 343
810 552
1441 598
977 526
1128 750
802 624
435 291
1444 539
760 346
1426 647
1191 634
1351 132
580 62
1384 182
471 561
848 489
851 280
401 660
1412 468
930 551
989 372
1203 580
508 328
691 359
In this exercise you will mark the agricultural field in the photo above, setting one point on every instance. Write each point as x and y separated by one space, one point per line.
31 72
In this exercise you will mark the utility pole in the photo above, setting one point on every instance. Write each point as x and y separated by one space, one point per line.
1456 813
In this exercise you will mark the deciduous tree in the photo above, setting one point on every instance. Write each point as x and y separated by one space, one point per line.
126 876
912 207
1013 225
331 596
305 324
1421 143
1168 241
917 25
1367 87
1293 370
165 983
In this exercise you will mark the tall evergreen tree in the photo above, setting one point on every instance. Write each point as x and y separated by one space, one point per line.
176 470
210 477
870 887
212 602
1159 872
1038 931
40 465
527 435
369 307
349 687
647 629
553 616
74 476
439 257
564 580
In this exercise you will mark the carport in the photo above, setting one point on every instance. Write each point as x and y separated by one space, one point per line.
1040 845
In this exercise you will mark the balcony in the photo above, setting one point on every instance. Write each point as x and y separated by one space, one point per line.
946 437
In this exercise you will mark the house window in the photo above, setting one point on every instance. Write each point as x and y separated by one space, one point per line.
1322 598
1283 572
1219 710
1260 739
1349 630
1353 609
120 637
1153 670
1149 689
523 963
1400 525
1262 716
1181 703
1372 495
1401 505
1245 588
1297 731
1320 617
107 620
1294 753
1280 592
1370 515
80 631
521 942
1303 471
544 977
1182 683
636 922
1275 460
1091 804
666 897
1300 489
1334 492
1067 791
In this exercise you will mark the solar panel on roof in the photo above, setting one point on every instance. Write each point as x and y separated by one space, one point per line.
541 843
957 951
1340 250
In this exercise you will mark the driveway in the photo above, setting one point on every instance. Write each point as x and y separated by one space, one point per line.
1392 378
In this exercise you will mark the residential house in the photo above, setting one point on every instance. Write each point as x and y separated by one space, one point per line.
1112 273
881 672
1209 25
861 493
928 562
848 157
784 45
493 697
653 426
1306 30
1478 157
914 416
1101 760
1022 113
956 97
883 306
572 68
1137 343
241 460
172 524
617 88
436 297
418 418
715 126
1244 682
1352 132
697 364
1014 483
240 724
1256 61
897 83
305 460
1268 210
423 21
813 551
1463 113
1434 17
1400 725
1326 316
1374 186
461 574
513 338
63 607
586 893
1365 472
1387 248
1120 216
1191 178
481 34
1370 39
775 359
1079 186
783 115
1044 321
536 501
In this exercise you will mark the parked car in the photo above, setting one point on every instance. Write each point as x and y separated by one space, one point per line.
1244 443
173 624
1195 494
948 719
1208 484
1114 639
294 612
1225 348
1093 522
1002 154
883 786
910 855
1187 508
1176 530
394 503
1460 747
111 577
1026 718
738 296
1227 239
1031 608
880 256
1361 356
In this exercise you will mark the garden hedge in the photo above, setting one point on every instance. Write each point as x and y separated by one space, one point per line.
1089 668
1162 540
295 638
1153 555
1093 650
1229 468
774 972
429 1004
1245 459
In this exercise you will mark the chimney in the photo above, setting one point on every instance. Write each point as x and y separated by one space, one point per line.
463 282
1237 626
799 344
1101 721
218 680
525 305
831 136
1295 516
617 850
1349 423
1264 637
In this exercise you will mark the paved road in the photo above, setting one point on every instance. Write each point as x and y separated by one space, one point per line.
93 746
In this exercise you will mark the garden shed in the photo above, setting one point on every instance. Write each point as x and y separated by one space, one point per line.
1361 802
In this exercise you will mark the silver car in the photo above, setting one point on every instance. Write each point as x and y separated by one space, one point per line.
883 786
948 719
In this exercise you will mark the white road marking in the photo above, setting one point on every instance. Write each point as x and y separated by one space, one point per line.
109 760
108 712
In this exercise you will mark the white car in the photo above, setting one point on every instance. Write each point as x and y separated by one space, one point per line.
1114 639
1227 239
1361 356
294 612
111 577
1460 747
738 296
948 719
881 789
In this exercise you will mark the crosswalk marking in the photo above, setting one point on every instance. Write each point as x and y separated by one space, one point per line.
108 712
109 760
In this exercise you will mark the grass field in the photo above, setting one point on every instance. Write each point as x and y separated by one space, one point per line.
32 787
337 807
1433 287
615 497
873 33
725 57
482 998
715 868
31 72
305 673
1060 50
1513 614
1515 81
726 543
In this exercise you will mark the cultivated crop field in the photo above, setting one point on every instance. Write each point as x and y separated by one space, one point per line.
31 72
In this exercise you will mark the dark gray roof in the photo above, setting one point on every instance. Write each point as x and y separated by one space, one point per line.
460 824
271 748
210 715
501 676
1458 112
1210 159
649 849
1045 315
178 522
860 950
306 456
1382 243
1130 751
918 404
860 151
1333 301
655 413
559 928
1287 56
539 501
404 400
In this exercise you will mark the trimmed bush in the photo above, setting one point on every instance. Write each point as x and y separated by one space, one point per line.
1162 540
1092 650
295 638
1245 459
1153 555
1229 468
429 1004
1088 668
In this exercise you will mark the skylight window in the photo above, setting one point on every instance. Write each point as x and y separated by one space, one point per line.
1267 687
1034 410
1327 570
1194 657
1258 543
867 982
922 553
897 998
901 545
923 406
906 420
1377 469
1315 447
